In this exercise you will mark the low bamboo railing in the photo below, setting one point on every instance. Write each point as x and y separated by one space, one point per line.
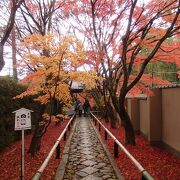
144 174
56 147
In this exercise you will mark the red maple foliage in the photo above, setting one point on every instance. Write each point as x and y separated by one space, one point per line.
158 162
10 164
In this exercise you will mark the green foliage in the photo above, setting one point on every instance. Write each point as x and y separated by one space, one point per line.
9 89
145 51
167 71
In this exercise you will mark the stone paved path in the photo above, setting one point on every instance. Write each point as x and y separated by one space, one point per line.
87 159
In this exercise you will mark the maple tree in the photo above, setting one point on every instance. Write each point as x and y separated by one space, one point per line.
50 76
39 17
122 38
29 17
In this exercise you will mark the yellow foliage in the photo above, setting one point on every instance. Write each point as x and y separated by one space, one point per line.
56 118
52 59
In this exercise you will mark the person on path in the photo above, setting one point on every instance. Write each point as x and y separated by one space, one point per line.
86 107
76 103
80 109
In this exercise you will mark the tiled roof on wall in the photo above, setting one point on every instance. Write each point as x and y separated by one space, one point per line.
138 96
175 85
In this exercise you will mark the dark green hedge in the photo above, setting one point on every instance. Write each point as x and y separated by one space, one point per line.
9 89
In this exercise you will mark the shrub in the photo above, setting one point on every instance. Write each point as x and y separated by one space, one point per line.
9 89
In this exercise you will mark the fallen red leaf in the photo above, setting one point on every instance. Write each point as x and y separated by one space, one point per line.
10 158
158 162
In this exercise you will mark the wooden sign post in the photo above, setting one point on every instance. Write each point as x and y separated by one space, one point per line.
22 122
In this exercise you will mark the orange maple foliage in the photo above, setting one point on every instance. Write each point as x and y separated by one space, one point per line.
50 63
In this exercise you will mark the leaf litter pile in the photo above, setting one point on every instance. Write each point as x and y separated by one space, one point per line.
158 162
10 158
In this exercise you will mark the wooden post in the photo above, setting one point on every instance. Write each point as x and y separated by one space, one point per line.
105 134
69 127
146 176
115 150
65 136
22 156
58 151
99 127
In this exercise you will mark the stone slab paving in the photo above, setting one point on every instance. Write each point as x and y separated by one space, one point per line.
87 158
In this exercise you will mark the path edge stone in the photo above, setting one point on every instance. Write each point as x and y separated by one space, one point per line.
65 156
109 155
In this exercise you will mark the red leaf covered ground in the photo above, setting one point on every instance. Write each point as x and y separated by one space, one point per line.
158 162
10 165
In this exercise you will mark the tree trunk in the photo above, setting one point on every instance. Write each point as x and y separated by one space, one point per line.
119 106
126 122
14 54
112 115
2 63
105 113
36 139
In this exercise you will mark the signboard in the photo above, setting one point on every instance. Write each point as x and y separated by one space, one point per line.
22 119
22 122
